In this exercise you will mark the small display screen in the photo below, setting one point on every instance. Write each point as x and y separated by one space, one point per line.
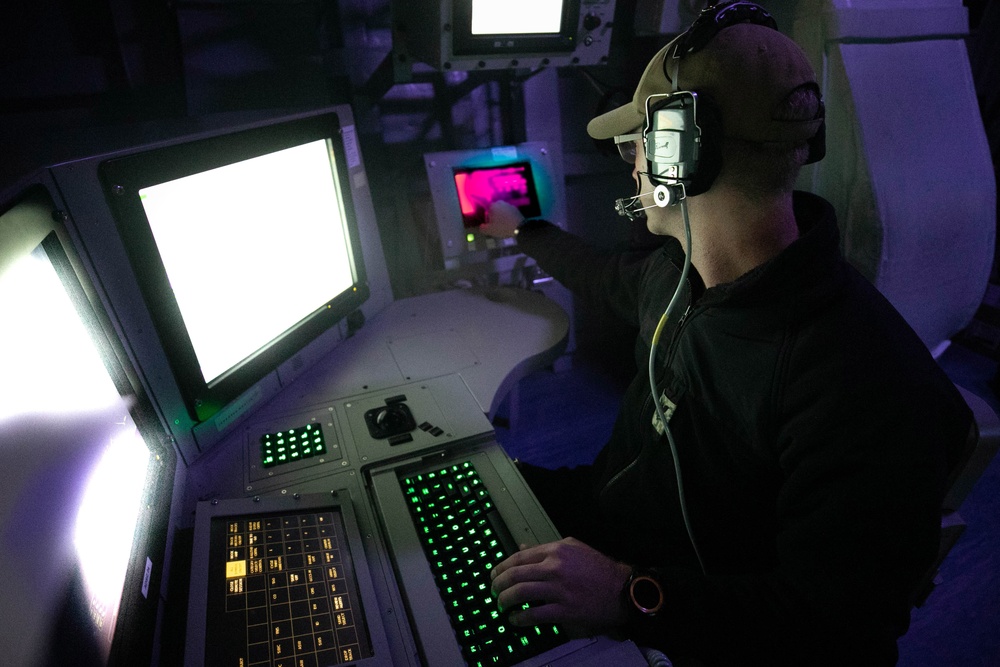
478 187
516 17
282 591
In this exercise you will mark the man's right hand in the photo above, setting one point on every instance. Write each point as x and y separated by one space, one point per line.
502 220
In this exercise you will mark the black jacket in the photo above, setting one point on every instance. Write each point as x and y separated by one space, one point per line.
813 431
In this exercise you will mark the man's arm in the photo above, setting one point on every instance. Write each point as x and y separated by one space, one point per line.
607 280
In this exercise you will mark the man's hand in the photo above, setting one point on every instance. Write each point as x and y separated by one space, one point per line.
502 219
566 582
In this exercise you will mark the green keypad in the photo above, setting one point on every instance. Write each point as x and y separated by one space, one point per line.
294 444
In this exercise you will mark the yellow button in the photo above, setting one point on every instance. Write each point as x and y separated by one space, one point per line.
236 568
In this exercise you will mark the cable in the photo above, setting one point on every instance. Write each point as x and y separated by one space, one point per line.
655 658
671 305
652 382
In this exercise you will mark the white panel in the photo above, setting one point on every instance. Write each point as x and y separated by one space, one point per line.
925 151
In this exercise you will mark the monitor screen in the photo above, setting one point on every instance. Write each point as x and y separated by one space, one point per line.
85 488
516 17
515 27
502 34
479 187
255 225
245 246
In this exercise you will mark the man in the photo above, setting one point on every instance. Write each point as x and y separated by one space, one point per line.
791 503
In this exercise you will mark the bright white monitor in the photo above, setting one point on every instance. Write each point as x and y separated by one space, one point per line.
516 17
251 248
73 487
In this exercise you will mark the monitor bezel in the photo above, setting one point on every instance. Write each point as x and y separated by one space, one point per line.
465 43
123 177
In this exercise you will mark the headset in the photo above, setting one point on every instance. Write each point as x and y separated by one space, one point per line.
683 131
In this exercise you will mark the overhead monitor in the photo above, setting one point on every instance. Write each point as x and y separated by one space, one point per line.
245 246
501 34
465 183
535 25
86 483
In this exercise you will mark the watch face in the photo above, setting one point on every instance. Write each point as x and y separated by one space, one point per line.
646 594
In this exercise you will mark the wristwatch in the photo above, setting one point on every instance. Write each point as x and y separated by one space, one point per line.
643 592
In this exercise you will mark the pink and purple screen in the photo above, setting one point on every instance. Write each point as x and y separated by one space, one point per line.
478 187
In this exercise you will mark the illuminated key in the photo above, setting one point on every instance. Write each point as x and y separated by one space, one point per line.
236 568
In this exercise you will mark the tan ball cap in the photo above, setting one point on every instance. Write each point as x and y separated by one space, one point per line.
747 69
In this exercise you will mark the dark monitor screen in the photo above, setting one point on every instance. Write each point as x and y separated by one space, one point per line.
283 580
246 248
85 487
282 586
478 187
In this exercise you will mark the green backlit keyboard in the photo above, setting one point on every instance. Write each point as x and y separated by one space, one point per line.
464 536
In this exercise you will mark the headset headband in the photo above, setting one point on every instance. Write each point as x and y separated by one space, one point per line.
711 20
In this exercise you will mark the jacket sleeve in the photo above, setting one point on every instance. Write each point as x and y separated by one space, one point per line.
605 280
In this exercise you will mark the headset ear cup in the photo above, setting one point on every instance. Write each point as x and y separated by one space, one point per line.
710 153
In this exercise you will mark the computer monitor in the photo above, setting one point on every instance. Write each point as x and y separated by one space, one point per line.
526 26
87 477
464 183
500 34
245 246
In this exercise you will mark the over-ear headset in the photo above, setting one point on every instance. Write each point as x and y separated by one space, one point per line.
683 131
